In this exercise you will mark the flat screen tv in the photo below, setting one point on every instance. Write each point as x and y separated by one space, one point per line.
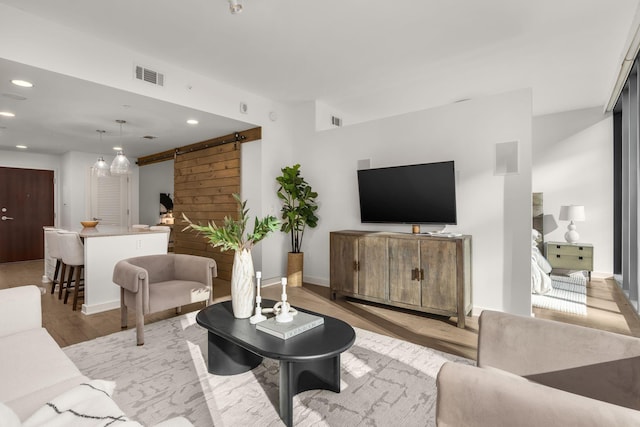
411 194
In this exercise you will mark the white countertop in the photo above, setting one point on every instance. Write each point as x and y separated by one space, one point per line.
110 230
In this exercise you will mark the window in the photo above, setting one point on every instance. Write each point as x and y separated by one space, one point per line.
626 186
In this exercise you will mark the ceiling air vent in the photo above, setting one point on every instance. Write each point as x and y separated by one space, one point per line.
336 121
149 76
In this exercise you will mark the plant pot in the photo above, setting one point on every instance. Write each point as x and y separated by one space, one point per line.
242 286
295 266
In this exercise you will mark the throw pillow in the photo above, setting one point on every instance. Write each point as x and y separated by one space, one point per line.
87 405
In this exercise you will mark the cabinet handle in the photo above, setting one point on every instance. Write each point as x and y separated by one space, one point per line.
417 274
356 266
557 256
580 257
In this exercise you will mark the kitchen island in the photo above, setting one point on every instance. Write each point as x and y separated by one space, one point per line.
104 246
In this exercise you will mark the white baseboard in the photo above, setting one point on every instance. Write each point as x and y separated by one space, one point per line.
307 279
99 308
316 280
270 281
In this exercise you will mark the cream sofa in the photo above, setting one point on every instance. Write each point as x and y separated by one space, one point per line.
33 368
534 372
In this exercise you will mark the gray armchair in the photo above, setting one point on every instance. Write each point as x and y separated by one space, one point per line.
534 372
153 283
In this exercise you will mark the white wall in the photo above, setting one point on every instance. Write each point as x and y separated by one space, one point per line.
276 152
495 210
155 178
251 171
75 181
573 164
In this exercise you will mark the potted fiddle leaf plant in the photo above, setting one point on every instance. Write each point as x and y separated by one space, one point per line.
298 212
231 235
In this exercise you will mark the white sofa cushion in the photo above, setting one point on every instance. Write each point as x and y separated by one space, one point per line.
33 371
8 418
20 309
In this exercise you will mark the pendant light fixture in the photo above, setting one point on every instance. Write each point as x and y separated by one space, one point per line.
100 167
120 165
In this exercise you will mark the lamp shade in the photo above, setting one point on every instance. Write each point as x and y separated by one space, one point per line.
120 165
101 168
572 213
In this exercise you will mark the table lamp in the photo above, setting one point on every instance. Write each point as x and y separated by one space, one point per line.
571 213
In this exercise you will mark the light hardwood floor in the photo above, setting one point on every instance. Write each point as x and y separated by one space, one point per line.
607 309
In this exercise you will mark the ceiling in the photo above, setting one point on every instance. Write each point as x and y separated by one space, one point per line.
62 113
348 54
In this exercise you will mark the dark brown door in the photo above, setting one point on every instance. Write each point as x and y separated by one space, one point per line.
26 205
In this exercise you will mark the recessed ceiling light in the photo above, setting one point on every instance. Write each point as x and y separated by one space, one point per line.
21 146
21 83
7 114
117 148
192 121
149 137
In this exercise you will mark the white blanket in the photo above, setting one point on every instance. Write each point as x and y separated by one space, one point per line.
87 405
540 269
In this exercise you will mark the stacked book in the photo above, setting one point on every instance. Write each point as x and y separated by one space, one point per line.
301 322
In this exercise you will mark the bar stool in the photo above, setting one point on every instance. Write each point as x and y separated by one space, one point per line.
53 249
72 251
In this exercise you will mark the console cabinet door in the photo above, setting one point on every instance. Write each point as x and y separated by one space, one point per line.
373 267
438 265
344 256
404 259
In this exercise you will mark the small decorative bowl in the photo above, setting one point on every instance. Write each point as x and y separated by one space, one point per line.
89 224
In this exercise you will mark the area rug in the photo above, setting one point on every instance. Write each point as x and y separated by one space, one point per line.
569 295
385 381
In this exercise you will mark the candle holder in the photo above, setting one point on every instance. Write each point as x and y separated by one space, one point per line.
284 316
258 317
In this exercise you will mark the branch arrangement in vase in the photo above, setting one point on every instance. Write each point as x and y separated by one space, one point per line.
231 235
299 205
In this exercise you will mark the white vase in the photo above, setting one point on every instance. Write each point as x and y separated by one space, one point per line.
242 287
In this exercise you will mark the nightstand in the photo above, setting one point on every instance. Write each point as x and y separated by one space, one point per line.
570 256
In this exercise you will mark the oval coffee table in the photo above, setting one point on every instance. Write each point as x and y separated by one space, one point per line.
308 361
